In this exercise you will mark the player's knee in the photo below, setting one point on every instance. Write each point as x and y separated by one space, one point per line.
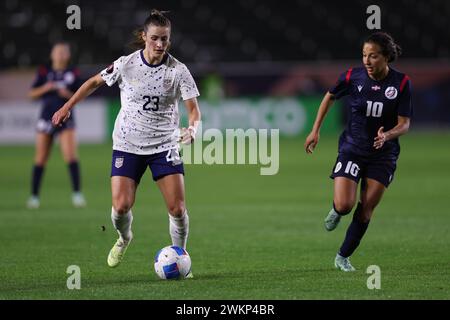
40 160
122 205
343 207
42 163
70 159
177 208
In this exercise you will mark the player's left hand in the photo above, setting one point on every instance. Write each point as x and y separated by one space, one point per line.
188 135
60 116
380 139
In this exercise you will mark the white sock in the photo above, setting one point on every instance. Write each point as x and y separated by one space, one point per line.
179 229
122 223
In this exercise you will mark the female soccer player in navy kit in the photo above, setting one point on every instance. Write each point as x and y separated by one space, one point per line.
151 83
55 84
380 101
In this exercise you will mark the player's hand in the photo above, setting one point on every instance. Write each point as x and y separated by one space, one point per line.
380 139
188 135
49 86
60 116
311 141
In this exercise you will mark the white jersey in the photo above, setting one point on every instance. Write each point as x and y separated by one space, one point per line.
148 119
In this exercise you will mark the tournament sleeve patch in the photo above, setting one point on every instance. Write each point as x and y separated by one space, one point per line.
110 68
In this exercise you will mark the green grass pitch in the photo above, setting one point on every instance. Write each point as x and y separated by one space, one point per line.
252 236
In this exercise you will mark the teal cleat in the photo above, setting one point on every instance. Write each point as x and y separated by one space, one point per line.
343 264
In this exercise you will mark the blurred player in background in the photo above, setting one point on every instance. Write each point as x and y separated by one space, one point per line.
380 101
54 85
151 82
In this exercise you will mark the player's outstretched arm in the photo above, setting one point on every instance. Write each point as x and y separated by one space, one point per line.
313 138
85 90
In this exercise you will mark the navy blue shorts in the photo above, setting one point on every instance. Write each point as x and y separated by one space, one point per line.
356 167
134 165
45 126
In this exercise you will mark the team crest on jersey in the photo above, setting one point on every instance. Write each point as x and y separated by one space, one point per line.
167 83
391 93
376 88
69 77
119 162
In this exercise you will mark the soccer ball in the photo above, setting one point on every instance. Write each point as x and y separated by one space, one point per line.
172 262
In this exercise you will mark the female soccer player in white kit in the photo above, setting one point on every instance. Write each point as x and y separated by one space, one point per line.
151 82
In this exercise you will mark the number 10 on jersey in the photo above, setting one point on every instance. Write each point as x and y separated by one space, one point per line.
374 109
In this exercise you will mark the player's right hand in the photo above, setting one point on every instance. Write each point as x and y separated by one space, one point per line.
50 86
60 117
311 141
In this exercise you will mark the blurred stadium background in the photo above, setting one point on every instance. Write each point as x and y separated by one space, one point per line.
273 59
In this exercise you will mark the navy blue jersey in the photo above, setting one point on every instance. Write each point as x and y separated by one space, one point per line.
373 104
69 79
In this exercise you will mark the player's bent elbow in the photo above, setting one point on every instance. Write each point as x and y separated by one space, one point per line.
405 127
97 81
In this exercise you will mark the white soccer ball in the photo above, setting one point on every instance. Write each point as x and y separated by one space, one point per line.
172 262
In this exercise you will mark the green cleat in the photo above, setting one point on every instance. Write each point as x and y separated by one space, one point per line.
332 220
343 264
117 252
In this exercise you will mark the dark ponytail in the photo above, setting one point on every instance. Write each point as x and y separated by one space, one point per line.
389 48
156 18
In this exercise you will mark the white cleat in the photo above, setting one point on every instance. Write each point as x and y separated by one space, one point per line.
33 202
343 264
78 200
332 220
117 252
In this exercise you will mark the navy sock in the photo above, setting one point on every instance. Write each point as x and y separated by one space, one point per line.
355 232
36 179
74 169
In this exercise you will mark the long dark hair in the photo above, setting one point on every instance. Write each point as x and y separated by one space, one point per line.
389 48
156 18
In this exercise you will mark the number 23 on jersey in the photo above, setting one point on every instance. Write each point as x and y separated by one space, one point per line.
154 100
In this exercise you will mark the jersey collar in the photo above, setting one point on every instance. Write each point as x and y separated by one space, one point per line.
164 59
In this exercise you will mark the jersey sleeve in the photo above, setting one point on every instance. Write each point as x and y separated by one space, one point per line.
113 72
342 86
405 108
187 86
41 77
